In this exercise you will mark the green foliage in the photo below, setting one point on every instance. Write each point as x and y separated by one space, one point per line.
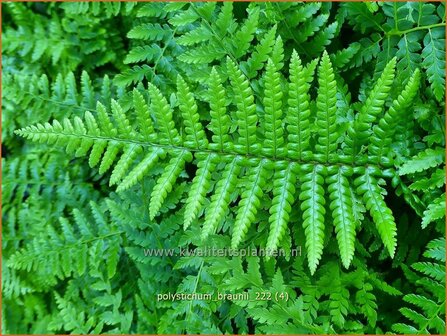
413 32
427 311
109 139
283 162
65 44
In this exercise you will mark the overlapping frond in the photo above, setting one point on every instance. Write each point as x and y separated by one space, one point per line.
426 311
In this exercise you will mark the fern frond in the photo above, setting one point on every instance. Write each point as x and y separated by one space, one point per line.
298 114
277 56
249 203
260 55
167 180
283 197
436 180
246 110
343 57
427 312
195 136
204 55
383 133
326 108
199 188
220 121
198 35
312 204
150 31
130 153
140 169
426 159
221 198
245 35
143 115
47 254
359 132
433 60
435 211
163 114
368 186
273 142
342 213
322 38
133 147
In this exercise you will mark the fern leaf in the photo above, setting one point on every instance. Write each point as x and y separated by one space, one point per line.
435 211
151 10
321 39
260 55
249 203
123 124
273 141
220 121
142 112
138 172
147 53
359 132
163 113
433 60
97 151
204 54
342 213
278 53
408 54
426 159
436 180
344 56
149 31
199 188
184 17
225 19
105 124
121 168
88 98
246 110
195 136
312 204
372 193
436 249
298 114
245 35
283 197
361 18
134 75
198 35
383 133
221 198
326 108
166 181
427 312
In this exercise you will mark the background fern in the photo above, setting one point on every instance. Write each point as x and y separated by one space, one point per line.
309 127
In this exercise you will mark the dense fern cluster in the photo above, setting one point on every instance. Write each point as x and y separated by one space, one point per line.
225 126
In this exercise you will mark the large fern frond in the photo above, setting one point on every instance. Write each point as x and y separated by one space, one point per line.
133 146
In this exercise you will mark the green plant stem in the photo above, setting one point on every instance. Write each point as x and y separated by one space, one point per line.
353 164
403 32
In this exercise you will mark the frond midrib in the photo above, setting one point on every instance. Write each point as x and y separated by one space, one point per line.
368 161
